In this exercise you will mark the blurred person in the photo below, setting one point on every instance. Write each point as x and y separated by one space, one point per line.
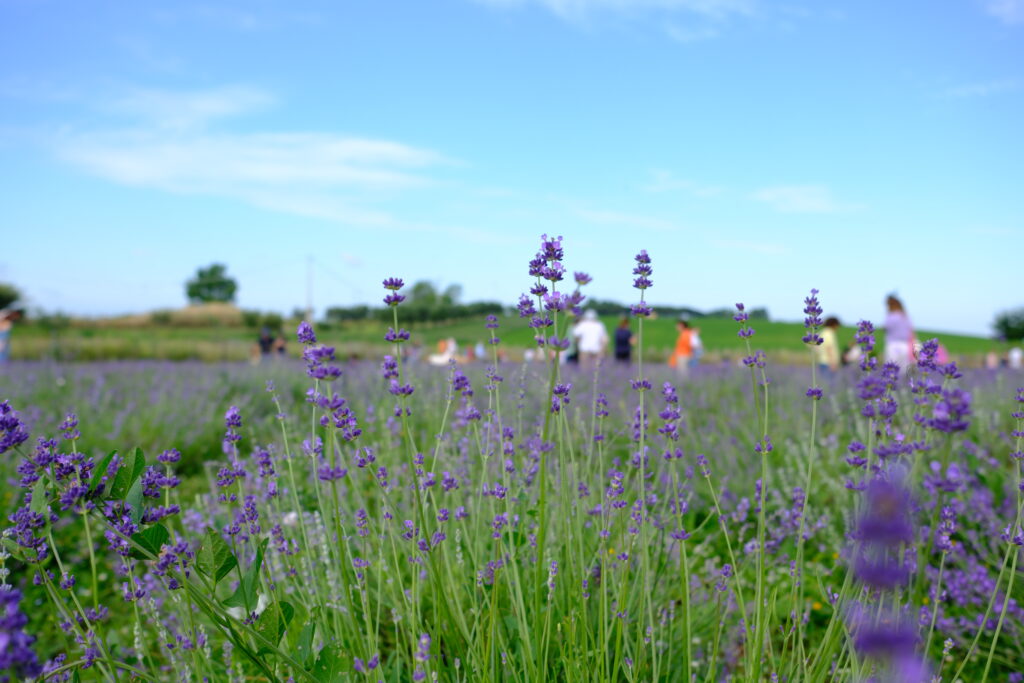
591 339
280 345
992 360
446 350
683 351
852 353
899 334
7 320
1015 358
698 347
265 341
480 351
624 341
827 352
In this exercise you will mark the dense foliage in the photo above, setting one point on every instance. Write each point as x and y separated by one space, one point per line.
515 521
211 284
1010 325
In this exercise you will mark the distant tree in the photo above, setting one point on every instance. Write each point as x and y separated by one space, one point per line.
423 294
9 294
451 295
211 284
1010 324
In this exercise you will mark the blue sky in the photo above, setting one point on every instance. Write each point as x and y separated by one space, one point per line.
756 149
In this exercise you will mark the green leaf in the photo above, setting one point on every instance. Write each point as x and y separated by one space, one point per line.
16 551
214 558
270 625
245 595
328 666
287 614
101 469
39 496
134 499
151 539
126 475
300 615
302 649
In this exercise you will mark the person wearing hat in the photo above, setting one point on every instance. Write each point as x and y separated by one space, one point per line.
591 339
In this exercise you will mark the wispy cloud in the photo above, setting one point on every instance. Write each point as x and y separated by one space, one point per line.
627 219
579 9
191 109
222 163
245 17
801 199
1006 11
766 248
171 143
684 34
982 89
665 181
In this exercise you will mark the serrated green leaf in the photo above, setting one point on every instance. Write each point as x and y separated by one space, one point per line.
214 558
245 595
151 539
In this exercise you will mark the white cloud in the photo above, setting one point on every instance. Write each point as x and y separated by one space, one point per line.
191 109
983 89
681 34
170 145
218 162
756 247
666 181
1006 11
580 9
800 199
627 219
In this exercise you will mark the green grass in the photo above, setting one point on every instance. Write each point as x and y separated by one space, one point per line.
94 343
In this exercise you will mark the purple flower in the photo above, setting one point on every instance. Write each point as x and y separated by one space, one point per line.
169 457
642 270
745 331
812 321
582 278
305 333
393 283
12 429
70 427
641 310
16 654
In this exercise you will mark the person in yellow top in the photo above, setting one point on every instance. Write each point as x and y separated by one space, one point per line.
827 353
683 352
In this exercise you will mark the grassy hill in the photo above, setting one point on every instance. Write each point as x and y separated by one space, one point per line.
93 341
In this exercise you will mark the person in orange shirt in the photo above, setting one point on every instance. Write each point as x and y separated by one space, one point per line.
683 352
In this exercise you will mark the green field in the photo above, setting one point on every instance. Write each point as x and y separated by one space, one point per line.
94 342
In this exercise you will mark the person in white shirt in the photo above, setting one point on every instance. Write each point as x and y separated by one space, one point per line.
591 339
1015 358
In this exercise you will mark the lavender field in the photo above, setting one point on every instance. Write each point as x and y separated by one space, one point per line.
520 522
